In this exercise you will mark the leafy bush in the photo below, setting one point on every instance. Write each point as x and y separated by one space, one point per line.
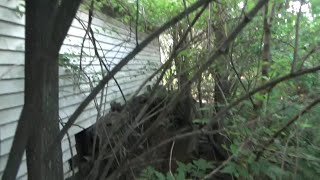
194 170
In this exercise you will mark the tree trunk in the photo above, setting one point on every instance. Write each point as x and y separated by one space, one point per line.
42 95
266 54
47 23
266 51
42 90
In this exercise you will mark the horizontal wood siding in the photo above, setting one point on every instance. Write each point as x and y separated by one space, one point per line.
115 41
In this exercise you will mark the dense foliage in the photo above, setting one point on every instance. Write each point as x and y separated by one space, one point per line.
294 153
282 39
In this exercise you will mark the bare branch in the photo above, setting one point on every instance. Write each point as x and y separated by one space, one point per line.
260 88
309 53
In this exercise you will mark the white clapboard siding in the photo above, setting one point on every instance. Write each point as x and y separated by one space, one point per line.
15 97
114 41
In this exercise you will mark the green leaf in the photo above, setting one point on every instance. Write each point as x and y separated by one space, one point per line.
234 149
201 121
243 172
160 176
203 164
230 168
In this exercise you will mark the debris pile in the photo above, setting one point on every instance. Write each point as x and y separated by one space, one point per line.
128 131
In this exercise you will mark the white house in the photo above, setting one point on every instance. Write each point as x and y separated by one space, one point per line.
115 41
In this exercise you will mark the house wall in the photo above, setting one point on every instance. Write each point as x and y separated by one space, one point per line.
115 41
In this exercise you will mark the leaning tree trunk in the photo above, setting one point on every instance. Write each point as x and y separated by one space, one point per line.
47 23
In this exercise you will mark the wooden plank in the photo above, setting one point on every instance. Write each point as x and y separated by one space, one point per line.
11 100
86 123
119 28
74 38
108 26
107 50
11 71
17 44
11 57
112 92
11 43
17 85
10 15
8 130
65 143
23 177
6 146
10 115
13 30
66 155
17 71
92 111
11 86
101 34
7 143
10 4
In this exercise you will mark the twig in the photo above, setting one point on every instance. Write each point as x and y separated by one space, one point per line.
208 176
87 31
170 158
188 19
285 151
309 53
231 58
70 148
137 22
76 125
